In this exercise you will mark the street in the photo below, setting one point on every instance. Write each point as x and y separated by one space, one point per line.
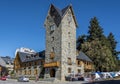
106 82
13 81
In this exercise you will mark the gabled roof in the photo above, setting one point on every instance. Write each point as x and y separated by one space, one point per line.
59 14
8 60
2 62
82 56
25 57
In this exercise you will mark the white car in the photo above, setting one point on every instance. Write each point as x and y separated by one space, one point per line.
23 79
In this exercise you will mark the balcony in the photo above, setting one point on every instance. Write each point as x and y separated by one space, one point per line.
88 67
52 55
52 64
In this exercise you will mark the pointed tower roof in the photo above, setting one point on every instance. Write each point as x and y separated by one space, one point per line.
59 14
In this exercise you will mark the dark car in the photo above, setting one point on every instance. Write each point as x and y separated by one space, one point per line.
71 77
80 77
23 79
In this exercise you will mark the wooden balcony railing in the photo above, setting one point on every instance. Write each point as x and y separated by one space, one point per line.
88 66
52 64
52 55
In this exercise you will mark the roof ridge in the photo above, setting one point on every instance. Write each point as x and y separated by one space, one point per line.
65 9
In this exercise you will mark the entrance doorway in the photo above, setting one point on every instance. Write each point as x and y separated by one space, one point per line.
52 73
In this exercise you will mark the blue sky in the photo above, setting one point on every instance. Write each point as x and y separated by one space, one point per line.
22 21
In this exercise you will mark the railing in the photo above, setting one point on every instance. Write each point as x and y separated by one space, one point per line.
88 66
52 64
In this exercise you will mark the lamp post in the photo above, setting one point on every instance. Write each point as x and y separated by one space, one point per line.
0 70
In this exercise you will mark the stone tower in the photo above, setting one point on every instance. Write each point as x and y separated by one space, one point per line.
60 54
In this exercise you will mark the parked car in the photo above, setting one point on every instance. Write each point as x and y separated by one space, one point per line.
23 79
3 78
80 77
70 77
74 77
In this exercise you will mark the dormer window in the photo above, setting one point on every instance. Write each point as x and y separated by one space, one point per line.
52 27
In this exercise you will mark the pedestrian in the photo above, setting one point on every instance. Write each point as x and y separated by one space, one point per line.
36 79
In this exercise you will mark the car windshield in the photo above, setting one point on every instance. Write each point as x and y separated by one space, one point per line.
23 77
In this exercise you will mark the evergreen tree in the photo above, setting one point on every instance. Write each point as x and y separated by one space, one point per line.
81 39
113 44
95 30
112 47
98 47
99 54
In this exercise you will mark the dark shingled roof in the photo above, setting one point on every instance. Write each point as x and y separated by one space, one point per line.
8 60
58 14
25 57
64 9
82 56
2 62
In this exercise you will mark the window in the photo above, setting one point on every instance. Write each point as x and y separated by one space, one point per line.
29 64
35 63
79 63
32 55
69 34
69 45
52 39
69 70
40 63
24 65
69 61
52 27
79 71
25 72
29 72
35 72
52 50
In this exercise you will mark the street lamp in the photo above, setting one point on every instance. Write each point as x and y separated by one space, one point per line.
0 70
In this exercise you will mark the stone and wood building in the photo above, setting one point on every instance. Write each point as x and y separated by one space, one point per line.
60 57
29 64
60 53
3 69
8 63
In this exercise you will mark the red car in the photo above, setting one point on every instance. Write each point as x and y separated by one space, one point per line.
3 78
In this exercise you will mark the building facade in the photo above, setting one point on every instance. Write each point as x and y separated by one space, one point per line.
8 63
60 54
60 57
28 63
3 69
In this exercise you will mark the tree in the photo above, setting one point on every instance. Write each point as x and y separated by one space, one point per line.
99 54
113 44
97 46
81 39
95 30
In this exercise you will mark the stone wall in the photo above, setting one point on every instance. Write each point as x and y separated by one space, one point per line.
68 45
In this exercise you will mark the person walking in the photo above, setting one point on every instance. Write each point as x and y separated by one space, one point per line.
37 78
